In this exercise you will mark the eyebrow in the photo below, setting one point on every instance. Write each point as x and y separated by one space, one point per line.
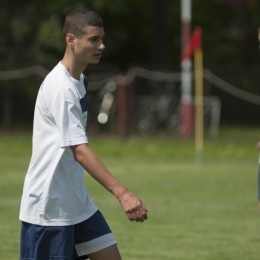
97 36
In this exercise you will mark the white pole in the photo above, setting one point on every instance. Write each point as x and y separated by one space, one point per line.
186 110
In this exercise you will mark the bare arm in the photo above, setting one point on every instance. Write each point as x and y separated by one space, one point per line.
133 206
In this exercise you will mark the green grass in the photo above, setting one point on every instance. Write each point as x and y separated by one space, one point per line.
204 211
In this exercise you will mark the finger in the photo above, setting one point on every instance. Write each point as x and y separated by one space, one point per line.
143 210
144 207
139 216
142 216
145 216
141 213
142 219
129 216
133 216
146 210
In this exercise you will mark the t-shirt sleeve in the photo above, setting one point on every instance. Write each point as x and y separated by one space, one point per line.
67 114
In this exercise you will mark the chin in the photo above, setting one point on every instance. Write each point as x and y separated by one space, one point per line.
94 62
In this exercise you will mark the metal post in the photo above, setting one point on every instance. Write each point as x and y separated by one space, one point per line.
199 121
186 106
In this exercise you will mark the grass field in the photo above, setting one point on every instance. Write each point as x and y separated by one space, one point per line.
204 211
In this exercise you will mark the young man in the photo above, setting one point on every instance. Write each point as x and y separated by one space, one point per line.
59 221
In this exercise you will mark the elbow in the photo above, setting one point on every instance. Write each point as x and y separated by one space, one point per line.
77 153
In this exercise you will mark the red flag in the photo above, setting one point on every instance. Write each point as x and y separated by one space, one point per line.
194 43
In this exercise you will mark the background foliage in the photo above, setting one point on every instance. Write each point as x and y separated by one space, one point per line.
145 33
31 30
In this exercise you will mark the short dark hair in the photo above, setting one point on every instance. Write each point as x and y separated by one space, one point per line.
76 22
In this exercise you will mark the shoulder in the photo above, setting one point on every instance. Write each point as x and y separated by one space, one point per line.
57 88
58 81
58 74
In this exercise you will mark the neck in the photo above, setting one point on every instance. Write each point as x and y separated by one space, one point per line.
72 66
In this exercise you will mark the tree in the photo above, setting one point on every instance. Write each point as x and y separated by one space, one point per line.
137 31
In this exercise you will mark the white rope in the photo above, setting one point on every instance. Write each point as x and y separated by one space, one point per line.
213 79
151 75
23 73
218 82
132 73
94 86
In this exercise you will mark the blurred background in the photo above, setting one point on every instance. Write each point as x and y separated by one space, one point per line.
142 38
205 211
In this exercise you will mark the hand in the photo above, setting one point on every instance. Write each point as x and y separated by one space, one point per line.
133 207
258 145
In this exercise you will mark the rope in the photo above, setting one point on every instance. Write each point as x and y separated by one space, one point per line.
137 71
218 82
151 75
23 73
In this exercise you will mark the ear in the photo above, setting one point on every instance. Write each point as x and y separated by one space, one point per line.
70 40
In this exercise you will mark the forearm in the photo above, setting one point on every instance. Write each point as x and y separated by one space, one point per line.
132 205
91 163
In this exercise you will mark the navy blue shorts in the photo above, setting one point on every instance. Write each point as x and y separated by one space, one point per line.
73 242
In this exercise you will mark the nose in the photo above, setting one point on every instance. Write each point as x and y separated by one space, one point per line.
102 46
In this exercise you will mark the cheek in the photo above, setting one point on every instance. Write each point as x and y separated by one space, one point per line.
87 49
82 52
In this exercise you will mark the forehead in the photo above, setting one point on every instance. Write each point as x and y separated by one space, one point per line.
94 31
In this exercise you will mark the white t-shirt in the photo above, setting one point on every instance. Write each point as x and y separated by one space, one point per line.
54 193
